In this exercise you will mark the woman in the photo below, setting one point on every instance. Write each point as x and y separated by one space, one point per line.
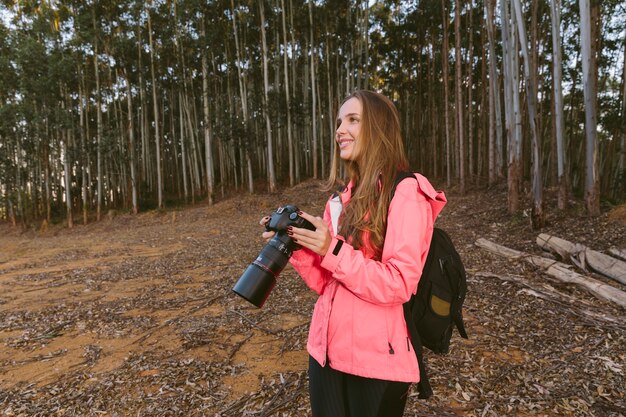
364 260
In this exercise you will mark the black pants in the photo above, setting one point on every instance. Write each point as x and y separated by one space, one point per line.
337 394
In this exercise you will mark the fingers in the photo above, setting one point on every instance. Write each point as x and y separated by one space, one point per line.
317 240
315 221
267 235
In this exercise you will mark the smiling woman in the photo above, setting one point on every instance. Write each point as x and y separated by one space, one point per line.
364 260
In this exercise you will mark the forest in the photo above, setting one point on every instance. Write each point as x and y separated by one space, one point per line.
130 105
142 141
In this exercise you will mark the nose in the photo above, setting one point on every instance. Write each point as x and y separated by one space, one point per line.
339 128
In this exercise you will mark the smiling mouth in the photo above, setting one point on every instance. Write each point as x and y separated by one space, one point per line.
344 142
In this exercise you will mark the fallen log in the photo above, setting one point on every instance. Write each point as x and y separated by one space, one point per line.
549 293
582 256
559 271
618 253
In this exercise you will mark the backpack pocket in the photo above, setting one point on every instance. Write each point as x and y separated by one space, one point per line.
435 326
440 301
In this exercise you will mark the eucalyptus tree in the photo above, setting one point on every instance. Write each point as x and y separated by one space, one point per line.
555 16
495 116
511 104
446 86
155 104
286 50
8 97
271 175
531 99
621 166
243 92
459 95
592 182
312 55
208 133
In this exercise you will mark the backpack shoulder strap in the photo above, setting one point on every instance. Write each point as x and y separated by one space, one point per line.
402 175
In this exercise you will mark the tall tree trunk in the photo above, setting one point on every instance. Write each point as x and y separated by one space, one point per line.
99 126
83 152
621 165
131 144
67 173
313 92
208 146
592 180
470 106
243 96
495 116
559 121
155 103
183 147
531 99
266 110
146 173
511 107
459 95
287 97
446 84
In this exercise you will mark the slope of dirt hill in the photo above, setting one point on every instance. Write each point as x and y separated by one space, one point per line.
134 315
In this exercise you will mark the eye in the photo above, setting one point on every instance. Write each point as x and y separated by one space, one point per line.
354 119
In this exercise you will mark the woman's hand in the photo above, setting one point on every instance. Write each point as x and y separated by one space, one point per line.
266 235
317 240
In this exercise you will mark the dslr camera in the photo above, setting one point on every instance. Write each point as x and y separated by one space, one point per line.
258 280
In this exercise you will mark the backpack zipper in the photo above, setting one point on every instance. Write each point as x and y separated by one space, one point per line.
391 351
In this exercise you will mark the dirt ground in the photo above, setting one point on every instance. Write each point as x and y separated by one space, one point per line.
134 316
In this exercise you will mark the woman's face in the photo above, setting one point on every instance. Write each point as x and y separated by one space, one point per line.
349 128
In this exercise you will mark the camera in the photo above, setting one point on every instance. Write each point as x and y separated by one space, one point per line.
258 280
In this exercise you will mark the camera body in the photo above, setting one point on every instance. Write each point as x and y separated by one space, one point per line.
258 280
282 219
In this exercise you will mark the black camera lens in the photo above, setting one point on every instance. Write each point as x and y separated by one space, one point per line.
258 280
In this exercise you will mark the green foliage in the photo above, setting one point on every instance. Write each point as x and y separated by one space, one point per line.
47 53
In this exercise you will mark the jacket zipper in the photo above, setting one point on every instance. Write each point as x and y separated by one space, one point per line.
330 310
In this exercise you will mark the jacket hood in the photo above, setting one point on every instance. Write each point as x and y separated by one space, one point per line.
437 199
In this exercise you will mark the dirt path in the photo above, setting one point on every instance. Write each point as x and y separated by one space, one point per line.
134 316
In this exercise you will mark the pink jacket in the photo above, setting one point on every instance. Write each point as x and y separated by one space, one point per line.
358 322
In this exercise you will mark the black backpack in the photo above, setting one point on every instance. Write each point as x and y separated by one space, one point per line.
435 309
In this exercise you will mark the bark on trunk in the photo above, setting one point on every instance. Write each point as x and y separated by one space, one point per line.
446 98
208 146
157 132
537 215
271 176
459 96
555 13
99 127
592 181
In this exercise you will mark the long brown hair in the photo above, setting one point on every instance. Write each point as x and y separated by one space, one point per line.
380 154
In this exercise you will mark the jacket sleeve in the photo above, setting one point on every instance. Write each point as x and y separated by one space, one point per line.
308 265
393 279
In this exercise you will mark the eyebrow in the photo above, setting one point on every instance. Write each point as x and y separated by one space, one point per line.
348 115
